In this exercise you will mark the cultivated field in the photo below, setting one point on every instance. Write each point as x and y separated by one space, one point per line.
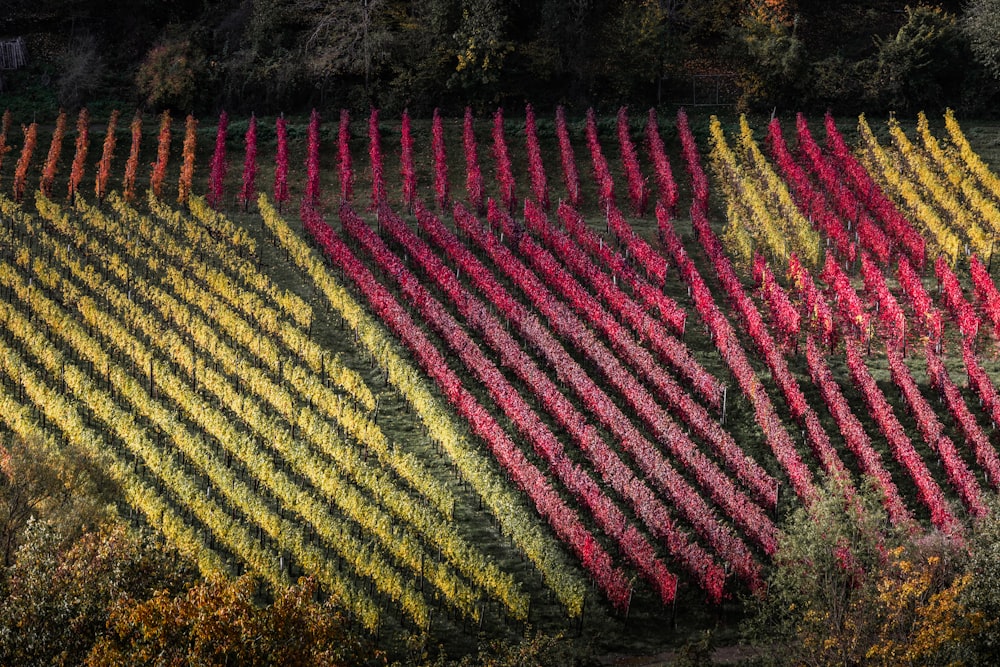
479 375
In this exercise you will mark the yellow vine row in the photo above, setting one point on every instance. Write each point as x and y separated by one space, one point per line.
891 178
506 505
288 534
439 532
308 385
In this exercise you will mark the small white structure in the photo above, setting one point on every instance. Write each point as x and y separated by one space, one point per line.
12 54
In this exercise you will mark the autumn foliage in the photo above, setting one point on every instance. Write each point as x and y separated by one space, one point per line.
187 159
162 155
4 128
248 190
107 155
281 162
80 155
132 165
407 170
21 169
217 171
221 622
51 165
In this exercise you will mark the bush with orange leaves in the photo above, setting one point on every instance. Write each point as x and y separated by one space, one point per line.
221 622
848 589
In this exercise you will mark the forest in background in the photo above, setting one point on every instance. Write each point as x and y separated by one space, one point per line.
269 56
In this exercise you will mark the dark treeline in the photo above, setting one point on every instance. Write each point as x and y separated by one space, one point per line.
289 55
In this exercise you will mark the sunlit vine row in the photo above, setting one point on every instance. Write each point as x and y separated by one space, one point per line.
236 535
882 165
308 385
537 286
937 190
365 559
504 503
805 239
221 283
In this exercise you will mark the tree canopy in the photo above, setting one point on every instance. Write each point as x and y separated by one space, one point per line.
288 55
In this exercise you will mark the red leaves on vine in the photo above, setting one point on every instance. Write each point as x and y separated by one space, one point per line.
281 163
249 188
107 154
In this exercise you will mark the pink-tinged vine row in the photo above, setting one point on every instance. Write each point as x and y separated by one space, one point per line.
441 189
871 195
906 455
311 197
932 430
602 173
844 204
507 398
281 162
982 385
849 306
375 161
217 169
505 172
723 335
248 189
473 172
753 323
536 168
784 316
653 298
407 170
664 175
638 190
728 343
583 435
986 455
567 326
719 487
955 301
692 162
890 314
672 350
817 310
344 169
928 317
986 291
811 201
652 262
620 305
855 437
570 175
527 477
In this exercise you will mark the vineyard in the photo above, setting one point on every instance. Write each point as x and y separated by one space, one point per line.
483 374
